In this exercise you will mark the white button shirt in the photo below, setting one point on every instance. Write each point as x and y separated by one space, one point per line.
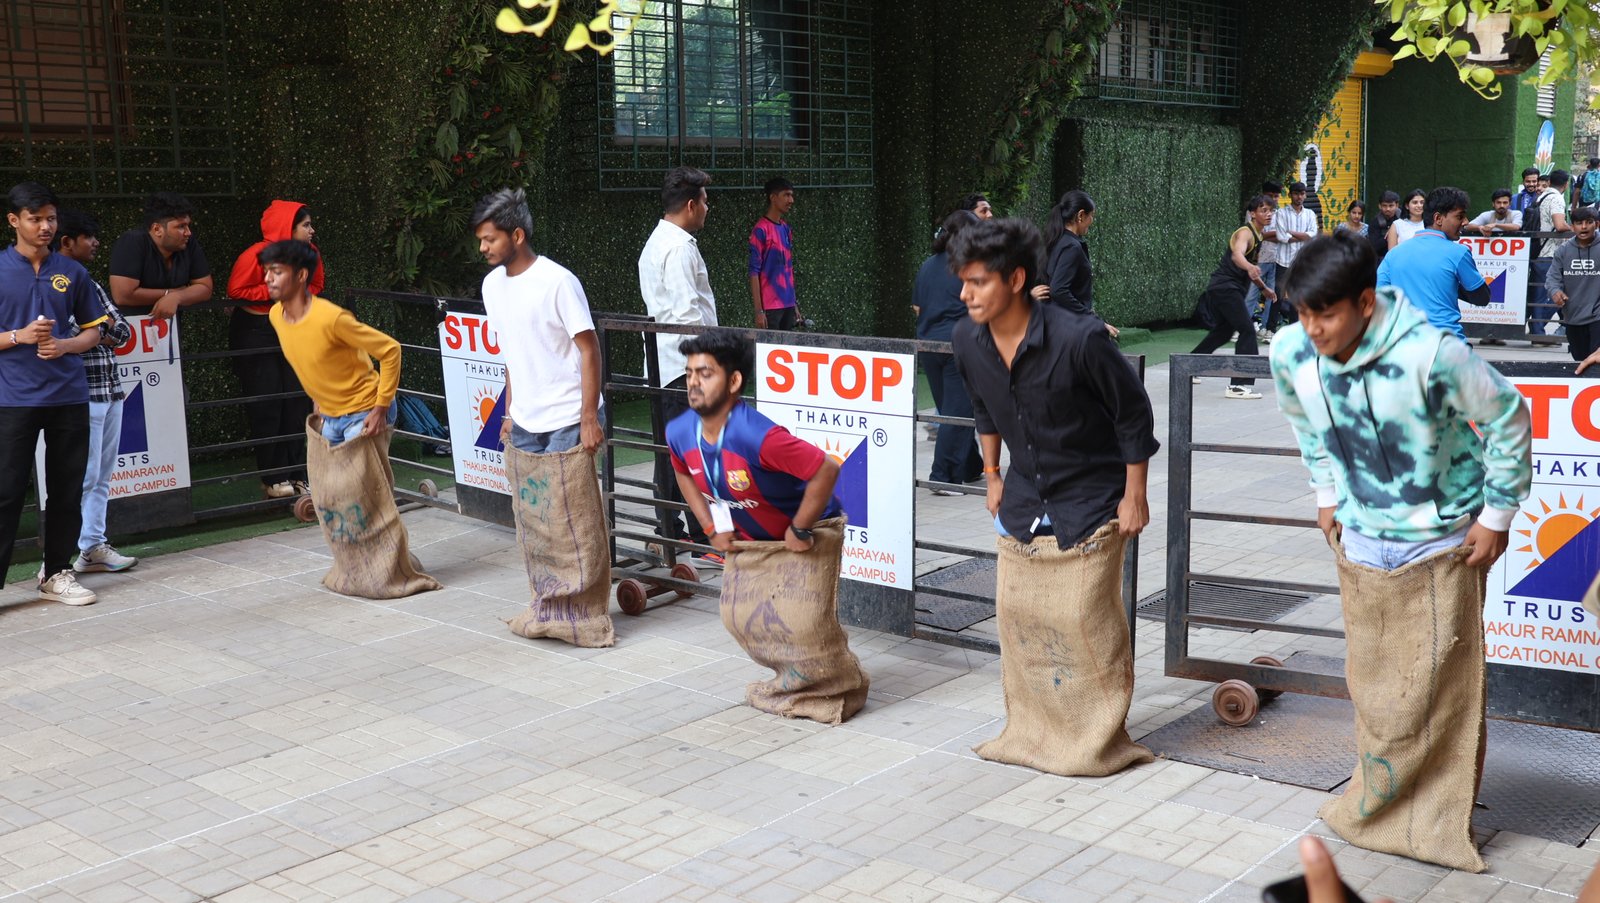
676 289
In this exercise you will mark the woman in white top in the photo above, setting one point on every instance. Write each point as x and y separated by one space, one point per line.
1410 224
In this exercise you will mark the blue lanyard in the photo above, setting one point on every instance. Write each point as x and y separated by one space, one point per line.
713 474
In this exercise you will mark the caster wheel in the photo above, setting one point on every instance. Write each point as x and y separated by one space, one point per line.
305 510
428 488
1235 702
1271 661
685 571
631 596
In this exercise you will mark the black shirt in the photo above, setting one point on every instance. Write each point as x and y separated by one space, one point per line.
136 256
1071 411
937 293
1068 275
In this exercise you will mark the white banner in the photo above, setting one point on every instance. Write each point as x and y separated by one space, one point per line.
1533 616
860 409
474 391
1503 261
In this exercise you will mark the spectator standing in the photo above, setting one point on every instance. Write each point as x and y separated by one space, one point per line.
78 237
677 289
1574 286
1588 191
1551 218
1434 270
1292 227
771 265
1234 271
1406 227
267 371
1378 227
979 205
937 296
1267 260
161 268
42 385
1355 217
541 314
1068 277
1526 201
1500 217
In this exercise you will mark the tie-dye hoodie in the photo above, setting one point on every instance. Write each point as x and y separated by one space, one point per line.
1388 435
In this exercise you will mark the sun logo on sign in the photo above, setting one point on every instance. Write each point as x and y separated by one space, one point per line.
483 402
836 450
1554 528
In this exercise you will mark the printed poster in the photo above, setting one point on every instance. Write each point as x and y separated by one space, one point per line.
859 408
1503 261
475 399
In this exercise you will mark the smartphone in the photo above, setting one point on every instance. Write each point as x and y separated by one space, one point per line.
1294 891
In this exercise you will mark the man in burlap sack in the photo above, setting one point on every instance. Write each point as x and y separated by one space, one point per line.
1050 384
347 439
765 497
1419 456
552 427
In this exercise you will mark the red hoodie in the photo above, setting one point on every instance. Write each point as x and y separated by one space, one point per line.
248 282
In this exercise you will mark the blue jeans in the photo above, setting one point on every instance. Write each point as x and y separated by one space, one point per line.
1389 554
1038 531
1252 298
1539 304
105 434
551 443
956 458
341 429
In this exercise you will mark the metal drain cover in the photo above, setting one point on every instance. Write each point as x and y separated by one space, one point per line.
1227 601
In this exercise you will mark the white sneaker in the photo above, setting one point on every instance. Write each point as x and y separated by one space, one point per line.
1241 392
64 588
103 559
1264 337
1196 380
281 490
947 493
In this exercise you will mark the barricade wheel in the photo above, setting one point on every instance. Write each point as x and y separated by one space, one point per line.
428 488
1271 661
631 596
1235 702
305 510
685 571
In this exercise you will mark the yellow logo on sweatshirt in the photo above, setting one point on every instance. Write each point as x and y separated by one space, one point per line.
60 283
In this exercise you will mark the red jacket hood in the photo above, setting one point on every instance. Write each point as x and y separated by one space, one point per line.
277 221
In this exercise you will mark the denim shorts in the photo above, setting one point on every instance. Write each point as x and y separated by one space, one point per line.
341 429
1389 554
553 442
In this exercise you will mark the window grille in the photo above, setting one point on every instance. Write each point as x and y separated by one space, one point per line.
115 98
1180 52
745 89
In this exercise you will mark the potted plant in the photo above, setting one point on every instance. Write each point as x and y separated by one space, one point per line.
1485 39
1493 44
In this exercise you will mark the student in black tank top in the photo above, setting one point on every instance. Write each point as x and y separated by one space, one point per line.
1224 295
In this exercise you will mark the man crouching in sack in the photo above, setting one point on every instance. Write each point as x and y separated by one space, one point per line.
1051 384
347 439
1419 454
766 500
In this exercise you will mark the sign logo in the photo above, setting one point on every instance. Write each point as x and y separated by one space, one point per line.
738 480
135 429
60 283
851 488
488 412
1560 549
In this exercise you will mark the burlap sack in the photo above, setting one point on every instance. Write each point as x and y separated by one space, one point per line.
1414 664
783 609
353 489
1065 661
561 526
1591 599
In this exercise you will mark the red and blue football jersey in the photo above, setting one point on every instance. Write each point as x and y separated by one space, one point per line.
763 474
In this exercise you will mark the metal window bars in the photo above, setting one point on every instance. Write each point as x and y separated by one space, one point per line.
1177 52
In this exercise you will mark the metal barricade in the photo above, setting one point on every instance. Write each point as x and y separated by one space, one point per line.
1515 693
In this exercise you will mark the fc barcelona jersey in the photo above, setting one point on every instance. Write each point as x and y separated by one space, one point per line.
763 473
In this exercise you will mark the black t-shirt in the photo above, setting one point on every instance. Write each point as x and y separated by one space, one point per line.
136 256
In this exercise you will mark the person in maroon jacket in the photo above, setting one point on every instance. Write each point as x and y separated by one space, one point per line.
266 372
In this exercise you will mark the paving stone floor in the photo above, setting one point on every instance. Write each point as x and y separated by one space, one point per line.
221 727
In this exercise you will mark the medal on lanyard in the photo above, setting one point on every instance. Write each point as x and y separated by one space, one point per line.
721 514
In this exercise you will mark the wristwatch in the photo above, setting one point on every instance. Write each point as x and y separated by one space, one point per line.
800 534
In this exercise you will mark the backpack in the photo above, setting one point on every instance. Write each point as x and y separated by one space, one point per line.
1590 193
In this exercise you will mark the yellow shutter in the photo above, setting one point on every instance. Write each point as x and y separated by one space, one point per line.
1337 172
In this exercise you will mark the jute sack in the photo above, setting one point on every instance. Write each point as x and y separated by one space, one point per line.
783 609
353 489
561 527
1591 599
1065 662
1414 664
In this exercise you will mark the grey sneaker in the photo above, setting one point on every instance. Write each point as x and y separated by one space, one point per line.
103 559
64 588
1241 392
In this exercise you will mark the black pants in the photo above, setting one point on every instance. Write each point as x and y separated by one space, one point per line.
956 457
66 448
669 523
783 318
268 373
1582 339
1227 312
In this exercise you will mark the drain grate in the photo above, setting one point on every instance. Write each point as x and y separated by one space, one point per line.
1227 601
975 576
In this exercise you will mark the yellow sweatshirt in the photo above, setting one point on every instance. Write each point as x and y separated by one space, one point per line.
332 353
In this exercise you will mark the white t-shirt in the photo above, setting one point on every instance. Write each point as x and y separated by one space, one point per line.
1406 230
536 315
